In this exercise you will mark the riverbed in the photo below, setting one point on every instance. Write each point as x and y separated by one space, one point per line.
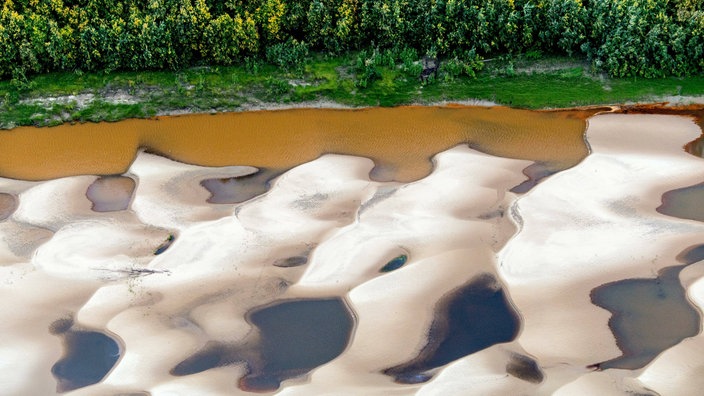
409 250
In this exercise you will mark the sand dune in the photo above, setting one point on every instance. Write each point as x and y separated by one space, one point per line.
188 290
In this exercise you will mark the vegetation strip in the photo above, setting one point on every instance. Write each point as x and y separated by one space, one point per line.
653 38
94 60
326 81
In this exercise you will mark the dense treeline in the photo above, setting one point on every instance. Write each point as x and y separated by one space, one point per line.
648 38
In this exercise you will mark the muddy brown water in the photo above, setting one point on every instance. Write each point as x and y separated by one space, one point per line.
401 140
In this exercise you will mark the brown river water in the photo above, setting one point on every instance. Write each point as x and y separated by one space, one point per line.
400 140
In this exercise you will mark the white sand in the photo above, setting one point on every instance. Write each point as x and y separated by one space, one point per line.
586 226
593 224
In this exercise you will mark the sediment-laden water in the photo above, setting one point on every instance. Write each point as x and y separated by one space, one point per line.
413 250
401 140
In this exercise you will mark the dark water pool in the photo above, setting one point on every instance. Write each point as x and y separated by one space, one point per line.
395 263
8 204
474 317
525 368
88 356
238 189
535 173
684 203
165 245
692 254
111 193
295 337
293 261
648 317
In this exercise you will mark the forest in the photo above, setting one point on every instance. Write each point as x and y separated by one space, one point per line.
624 38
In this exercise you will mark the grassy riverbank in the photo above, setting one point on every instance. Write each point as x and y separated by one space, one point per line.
520 82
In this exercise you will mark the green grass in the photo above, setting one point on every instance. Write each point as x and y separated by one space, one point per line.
548 82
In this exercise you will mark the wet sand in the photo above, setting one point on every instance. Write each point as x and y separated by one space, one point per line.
596 224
